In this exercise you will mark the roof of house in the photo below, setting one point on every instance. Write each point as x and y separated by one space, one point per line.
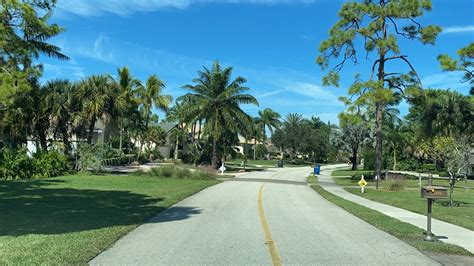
167 127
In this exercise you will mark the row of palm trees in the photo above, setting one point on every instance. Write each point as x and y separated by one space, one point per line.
211 111
60 108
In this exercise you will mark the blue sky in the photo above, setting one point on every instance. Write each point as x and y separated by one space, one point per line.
272 43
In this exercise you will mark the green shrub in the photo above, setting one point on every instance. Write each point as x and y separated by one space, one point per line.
50 164
369 160
394 185
261 151
368 175
170 171
427 168
90 157
15 164
409 164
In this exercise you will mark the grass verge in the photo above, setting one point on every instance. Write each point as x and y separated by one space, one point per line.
408 233
71 219
462 215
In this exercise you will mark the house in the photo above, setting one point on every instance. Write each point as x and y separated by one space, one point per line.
166 149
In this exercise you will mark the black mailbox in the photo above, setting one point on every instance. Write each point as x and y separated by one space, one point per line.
434 192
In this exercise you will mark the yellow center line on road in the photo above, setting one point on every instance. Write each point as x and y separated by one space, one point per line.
266 230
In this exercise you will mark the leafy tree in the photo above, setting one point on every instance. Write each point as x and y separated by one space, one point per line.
441 113
217 101
465 63
314 139
453 153
378 24
355 132
25 32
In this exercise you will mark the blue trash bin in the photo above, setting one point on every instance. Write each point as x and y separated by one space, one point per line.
317 169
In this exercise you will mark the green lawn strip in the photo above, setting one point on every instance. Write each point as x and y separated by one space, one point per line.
71 219
312 179
412 201
341 179
408 233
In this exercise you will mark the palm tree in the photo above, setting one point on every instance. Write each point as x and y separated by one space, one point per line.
176 114
151 96
62 110
126 102
269 118
217 101
96 96
291 125
257 133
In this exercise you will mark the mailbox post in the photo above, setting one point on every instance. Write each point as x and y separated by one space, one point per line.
431 193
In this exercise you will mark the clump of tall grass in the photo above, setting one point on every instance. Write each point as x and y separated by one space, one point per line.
170 171
394 185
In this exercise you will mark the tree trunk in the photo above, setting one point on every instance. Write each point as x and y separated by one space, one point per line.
67 144
379 106
255 148
214 154
354 159
121 137
176 149
264 134
42 140
199 134
142 134
394 159
90 133
378 142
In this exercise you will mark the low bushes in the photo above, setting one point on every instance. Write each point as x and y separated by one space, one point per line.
170 171
50 164
368 175
16 164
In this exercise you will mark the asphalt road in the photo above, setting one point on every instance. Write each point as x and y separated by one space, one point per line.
262 218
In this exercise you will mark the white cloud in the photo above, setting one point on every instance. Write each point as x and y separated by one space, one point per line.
270 93
124 7
320 96
446 80
67 69
458 29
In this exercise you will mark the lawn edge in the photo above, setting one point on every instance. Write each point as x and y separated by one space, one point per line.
422 246
153 216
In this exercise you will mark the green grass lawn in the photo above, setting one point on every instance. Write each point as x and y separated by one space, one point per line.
403 231
410 199
70 219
